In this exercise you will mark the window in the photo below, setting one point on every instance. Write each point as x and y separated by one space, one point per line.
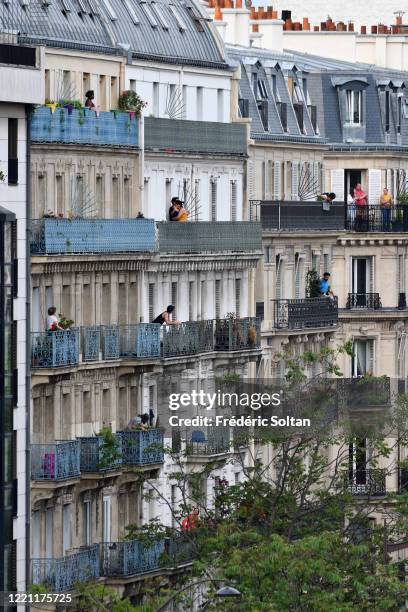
262 91
106 536
191 286
387 111
283 114
196 199
399 114
110 10
220 105
156 99
173 299
158 10
274 86
354 106
131 11
263 112
180 22
213 199
203 299
199 103
87 523
66 528
12 175
363 358
238 297
151 302
217 298
279 290
233 200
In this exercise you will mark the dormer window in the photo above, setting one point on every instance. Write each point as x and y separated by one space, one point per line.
354 106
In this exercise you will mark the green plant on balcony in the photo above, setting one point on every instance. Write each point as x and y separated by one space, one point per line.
2 176
109 452
63 103
148 533
402 198
64 322
131 101
312 284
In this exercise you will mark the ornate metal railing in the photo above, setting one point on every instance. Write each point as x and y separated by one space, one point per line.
237 334
115 128
188 338
96 456
62 236
364 300
208 441
91 343
55 349
375 219
142 447
59 575
55 461
110 342
131 557
370 482
142 340
306 313
366 392
178 550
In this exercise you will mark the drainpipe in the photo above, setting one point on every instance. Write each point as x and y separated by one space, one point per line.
28 346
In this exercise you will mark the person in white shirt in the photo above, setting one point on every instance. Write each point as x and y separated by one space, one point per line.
52 320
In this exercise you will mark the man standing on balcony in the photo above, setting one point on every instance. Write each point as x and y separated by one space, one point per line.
386 206
324 285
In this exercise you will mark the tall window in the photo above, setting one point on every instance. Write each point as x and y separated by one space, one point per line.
174 299
217 299
87 523
238 297
354 106
387 111
151 302
12 175
213 199
233 200
191 286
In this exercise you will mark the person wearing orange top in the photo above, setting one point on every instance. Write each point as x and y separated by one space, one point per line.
386 206
191 521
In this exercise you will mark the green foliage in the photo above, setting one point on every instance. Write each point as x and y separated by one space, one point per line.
64 322
312 284
109 452
131 101
402 197
99 598
148 533
65 102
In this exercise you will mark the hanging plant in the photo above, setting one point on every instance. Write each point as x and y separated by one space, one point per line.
312 284
131 101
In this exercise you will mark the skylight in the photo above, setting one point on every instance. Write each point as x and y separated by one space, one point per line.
131 11
149 14
181 24
65 6
110 10
94 7
159 12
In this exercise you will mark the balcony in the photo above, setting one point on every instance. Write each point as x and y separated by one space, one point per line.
85 127
367 483
208 442
237 334
132 557
206 236
276 215
307 313
365 392
53 462
96 457
195 137
64 348
142 447
55 349
60 575
188 338
374 219
66 236
371 301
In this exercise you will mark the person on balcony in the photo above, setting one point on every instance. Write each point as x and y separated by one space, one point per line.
165 317
327 199
386 207
52 320
89 101
360 199
324 286
177 212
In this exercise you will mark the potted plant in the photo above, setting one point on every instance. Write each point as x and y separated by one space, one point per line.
131 102
51 104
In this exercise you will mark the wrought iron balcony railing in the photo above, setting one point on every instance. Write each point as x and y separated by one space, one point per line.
364 300
375 219
57 461
85 126
208 441
64 236
188 338
306 313
297 215
208 236
60 575
131 557
55 349
96 456
364 392
142 447
371 482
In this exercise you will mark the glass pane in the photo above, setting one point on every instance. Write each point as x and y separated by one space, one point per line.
8 458
8 385
8 415
8 353
7 274
7 242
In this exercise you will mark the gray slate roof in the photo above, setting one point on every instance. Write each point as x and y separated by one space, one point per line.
109 25
324 78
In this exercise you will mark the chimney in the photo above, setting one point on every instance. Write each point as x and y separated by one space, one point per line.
305 24
351 26
364 29
398 20
238 4
218 13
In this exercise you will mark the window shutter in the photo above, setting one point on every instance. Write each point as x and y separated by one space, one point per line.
279 279
251 180
298 278
151 301
395 183
238 296
191 301
233 200
337 184
370 356
389 183
401 273
374 187
370 275
213 199
316 178
217 298
277 173
295 180
174 299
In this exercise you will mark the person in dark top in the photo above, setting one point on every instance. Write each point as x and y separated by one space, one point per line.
174 209
89 102
164 317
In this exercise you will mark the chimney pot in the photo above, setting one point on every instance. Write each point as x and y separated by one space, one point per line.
364 29
399 20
